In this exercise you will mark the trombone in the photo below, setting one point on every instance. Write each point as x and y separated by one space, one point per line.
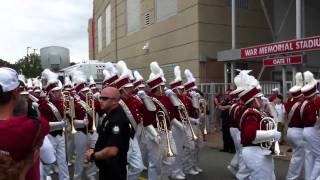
185 118
90 103
68 107
162 127
203 113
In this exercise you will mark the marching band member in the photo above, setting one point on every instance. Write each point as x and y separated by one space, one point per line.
256 157
295 129
180 127
133 110
93 86
67 87
160 144
236 165
86 136
37 86
110 75
53 111
192 155
311 134
138 84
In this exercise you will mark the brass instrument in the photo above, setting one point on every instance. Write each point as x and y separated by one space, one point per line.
162 127
203 113
68 107
90 103
183 113
270 125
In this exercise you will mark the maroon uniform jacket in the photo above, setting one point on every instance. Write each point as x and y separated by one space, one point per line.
309 112
231 118
295 120
250 123
169 111
136 108
47 113
192 112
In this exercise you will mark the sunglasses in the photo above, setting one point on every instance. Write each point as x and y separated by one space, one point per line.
104 98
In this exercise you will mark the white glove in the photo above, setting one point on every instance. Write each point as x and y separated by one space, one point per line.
157 139
277 135
85 121
194 94
141 94
168 92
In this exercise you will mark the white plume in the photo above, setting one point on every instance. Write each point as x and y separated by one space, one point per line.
106 74
299 79
111 68
29 83
123 69
155 68
189 75
67 81
308 77
78 77
37 83
177 73
91 80
137 75
50 76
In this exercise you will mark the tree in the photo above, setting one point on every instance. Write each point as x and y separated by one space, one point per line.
5 63
29 66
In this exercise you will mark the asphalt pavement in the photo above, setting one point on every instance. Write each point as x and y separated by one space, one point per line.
214 164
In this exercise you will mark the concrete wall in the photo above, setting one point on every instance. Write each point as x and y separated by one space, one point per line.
190 39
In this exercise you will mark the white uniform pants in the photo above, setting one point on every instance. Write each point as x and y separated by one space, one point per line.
260 166
198 144
70 146
179 139
188 150
135 163
82 143
235 134
295 140
311 137
58 144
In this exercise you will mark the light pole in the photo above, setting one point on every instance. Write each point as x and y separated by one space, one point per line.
28 50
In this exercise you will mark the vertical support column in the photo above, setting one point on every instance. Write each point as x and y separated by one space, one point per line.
284 85
225 67
233 23
234 40
232 73
298 32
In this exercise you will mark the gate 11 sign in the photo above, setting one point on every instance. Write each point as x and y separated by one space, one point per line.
282 61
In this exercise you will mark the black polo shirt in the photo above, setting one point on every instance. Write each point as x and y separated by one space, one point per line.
114 131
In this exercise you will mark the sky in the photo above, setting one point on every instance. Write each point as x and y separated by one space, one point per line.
41 23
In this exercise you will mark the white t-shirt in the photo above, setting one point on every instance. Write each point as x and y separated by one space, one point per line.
280 112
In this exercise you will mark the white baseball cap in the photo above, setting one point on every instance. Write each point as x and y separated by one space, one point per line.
8 79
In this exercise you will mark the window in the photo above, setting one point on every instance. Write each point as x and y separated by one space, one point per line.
99 33
108 25
165 9
133 15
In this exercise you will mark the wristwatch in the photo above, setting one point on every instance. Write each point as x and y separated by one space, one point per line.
93 157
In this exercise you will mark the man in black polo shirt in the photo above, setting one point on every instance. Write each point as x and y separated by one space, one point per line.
110 153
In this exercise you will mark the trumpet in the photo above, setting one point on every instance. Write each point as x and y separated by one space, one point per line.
162 127
185 118
90 103
203 113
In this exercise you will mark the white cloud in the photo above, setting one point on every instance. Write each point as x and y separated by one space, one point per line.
41 23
